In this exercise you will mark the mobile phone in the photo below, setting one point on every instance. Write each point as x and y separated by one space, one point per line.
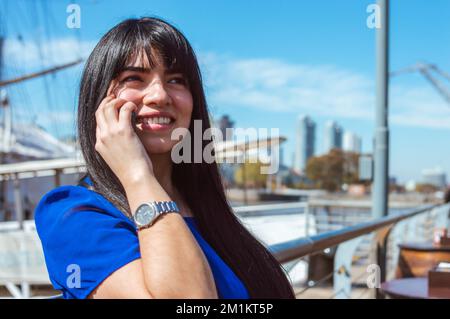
133 119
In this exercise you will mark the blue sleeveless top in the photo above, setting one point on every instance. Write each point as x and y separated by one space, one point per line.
85 238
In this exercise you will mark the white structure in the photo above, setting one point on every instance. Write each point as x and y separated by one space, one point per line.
351 143
305 141
30 142
434 176
332 136
410 185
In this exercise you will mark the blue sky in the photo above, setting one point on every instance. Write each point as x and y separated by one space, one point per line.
264 62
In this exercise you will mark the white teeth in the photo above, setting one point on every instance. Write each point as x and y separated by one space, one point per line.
157 120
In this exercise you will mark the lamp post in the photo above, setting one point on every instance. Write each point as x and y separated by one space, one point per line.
381 145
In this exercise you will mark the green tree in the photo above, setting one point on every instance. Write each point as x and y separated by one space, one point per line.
331 170
253 176
426 188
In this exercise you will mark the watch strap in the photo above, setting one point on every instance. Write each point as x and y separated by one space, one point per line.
160 208
166 207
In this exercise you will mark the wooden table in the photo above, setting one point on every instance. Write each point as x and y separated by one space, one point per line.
416 259
412 288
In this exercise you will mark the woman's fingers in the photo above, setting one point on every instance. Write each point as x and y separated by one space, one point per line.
125 113
99 115
111 87
97 138
110 117
111 110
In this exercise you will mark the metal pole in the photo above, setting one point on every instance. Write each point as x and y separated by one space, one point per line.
306 210
381 147
244 177
57 177
18 200
3 193
381 151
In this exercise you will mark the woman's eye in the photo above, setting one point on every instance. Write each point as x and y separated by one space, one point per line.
131 78
178 80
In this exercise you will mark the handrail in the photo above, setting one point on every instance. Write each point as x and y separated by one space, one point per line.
266 207
297 248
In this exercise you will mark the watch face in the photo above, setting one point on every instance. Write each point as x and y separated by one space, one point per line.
144 215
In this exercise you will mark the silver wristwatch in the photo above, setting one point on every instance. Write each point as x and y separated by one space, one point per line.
147 213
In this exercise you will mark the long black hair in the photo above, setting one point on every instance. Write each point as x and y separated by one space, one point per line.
200 184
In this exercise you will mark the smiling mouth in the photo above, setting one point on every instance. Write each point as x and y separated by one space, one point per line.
155 123
160 120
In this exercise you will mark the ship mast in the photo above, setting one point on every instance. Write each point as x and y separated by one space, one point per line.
4 106
6 110
38 74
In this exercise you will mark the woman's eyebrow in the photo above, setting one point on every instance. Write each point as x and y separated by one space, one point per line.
146 70
136 69
170 72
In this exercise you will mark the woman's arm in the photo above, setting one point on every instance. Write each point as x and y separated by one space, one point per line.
172 265
125 282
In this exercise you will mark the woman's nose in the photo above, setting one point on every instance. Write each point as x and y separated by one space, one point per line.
157 94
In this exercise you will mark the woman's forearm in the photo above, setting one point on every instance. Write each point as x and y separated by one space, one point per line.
174 265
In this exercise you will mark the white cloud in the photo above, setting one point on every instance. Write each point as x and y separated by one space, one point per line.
27 54
274 85
419 106
60 117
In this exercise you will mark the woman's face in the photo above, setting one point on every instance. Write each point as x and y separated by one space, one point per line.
164 102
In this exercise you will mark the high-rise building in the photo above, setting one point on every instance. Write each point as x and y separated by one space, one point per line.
435 176
226 126
332 137
351 143
306 138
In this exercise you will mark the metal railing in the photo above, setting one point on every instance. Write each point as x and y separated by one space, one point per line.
18 172
347 240
340 234
303 246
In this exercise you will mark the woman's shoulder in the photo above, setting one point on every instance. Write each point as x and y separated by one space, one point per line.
67 195
62 204
63 192
80 227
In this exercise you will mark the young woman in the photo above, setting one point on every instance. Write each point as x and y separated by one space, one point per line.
144 226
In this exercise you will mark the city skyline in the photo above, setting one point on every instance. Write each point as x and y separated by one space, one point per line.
351 142
261 82
332 136
305 142
343 139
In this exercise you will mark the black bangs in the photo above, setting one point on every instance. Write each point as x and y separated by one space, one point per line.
154 42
